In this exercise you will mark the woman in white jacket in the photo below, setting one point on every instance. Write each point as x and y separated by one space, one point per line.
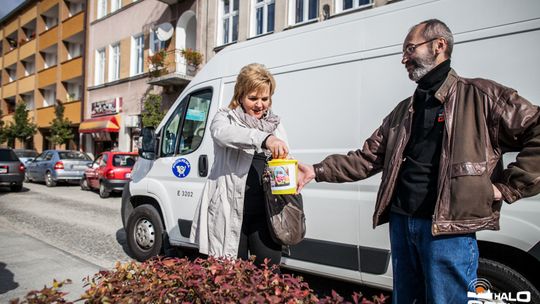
230 219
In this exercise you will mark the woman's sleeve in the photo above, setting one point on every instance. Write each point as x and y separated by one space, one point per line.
229 135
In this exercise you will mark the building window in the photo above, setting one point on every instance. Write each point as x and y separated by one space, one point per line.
303 10
50 60
74 8
49 96
228 27
351 4
114 62
263 16
74 50
73 91
137 54
102 8
155 43
100 67
29 67
50 22
115 5
12 73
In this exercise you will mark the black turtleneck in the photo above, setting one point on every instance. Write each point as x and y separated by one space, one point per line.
416 189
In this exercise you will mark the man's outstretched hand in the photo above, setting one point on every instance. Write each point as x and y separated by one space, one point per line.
306 173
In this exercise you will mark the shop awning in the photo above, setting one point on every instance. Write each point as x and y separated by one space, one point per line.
109 123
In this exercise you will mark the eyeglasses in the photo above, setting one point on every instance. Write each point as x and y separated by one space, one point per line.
410 48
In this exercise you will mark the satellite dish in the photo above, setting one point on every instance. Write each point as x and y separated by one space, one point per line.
164 31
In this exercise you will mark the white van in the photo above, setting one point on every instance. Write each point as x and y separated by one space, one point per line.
336 80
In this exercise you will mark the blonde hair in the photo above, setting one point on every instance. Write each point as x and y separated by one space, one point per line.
252 77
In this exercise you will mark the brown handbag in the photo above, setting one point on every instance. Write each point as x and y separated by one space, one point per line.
285 214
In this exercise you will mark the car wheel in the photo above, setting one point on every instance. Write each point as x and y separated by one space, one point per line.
103 192
16 188
84 184
49 181
144 232
504 279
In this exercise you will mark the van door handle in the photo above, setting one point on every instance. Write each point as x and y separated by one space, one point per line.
203 165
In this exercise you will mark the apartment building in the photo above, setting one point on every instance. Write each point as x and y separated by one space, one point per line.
230 21
134 50
41 61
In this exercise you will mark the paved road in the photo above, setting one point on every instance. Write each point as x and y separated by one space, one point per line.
72 234
65 233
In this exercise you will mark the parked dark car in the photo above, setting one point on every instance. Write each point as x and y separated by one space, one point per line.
109 172
53 166
11 170
25 155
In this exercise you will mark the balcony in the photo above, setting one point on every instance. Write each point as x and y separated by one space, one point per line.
72 111
47 77
8 119
48 38
10 58
175 71
73 25
46 5
27 49
71 68
9 89
27 84
29 15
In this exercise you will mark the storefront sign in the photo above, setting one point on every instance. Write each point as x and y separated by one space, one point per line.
106 107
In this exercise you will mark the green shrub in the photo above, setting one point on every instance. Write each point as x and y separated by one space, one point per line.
174 280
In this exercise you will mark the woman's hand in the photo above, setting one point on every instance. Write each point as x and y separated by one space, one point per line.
277 146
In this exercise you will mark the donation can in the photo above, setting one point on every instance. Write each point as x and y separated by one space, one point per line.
283 173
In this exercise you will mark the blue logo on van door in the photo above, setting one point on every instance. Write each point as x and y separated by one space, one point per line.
181 168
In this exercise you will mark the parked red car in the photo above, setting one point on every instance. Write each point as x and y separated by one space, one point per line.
109 172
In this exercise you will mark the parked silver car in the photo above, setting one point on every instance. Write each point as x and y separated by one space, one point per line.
11 170
53 166
25 155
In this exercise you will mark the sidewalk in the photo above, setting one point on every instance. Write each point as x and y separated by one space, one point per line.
28 264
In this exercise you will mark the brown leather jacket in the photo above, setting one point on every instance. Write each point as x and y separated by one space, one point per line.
483 120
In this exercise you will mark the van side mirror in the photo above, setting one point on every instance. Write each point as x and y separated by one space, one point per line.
148 146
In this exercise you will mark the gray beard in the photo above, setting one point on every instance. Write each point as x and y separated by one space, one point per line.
424 65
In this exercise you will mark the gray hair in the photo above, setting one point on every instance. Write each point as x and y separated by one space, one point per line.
435 28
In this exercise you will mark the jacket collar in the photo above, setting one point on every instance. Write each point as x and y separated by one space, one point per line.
448 83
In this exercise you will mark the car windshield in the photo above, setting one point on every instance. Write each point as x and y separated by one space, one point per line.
26 153
124 160
8 155
73 155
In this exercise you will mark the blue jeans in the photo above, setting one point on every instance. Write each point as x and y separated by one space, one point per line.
428 269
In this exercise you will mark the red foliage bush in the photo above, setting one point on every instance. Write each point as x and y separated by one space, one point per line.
212 280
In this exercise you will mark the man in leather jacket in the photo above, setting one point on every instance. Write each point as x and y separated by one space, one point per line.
442 180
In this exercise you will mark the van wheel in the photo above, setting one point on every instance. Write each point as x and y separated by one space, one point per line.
144 232
504 279
103 192
49 181
84 184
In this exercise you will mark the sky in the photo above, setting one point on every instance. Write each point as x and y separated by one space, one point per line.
7 6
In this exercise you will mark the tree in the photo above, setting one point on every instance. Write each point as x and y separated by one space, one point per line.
3 136
61 130
152 113
21 128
